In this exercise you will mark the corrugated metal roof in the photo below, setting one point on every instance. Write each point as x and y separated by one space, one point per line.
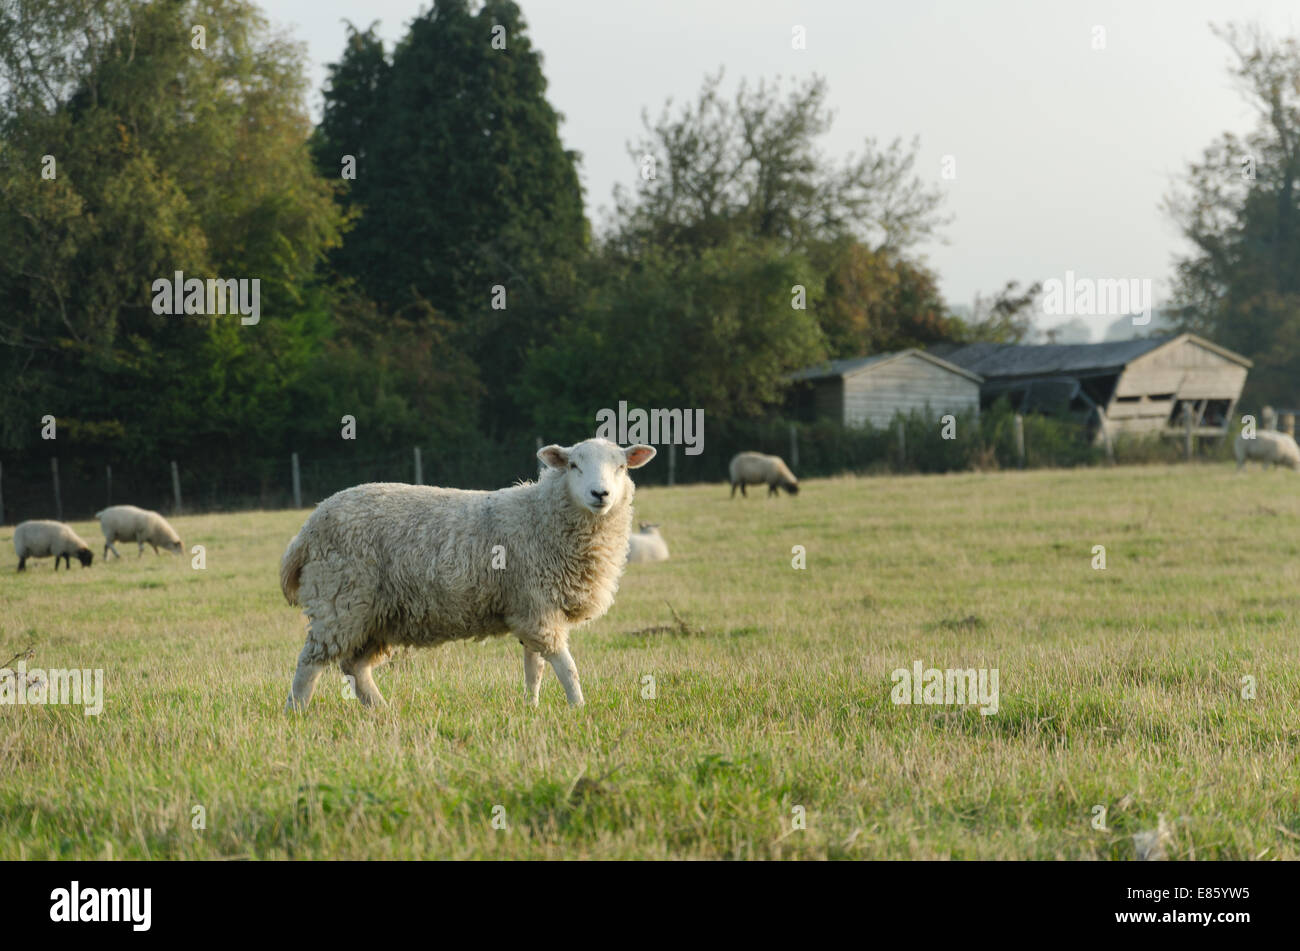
1011 359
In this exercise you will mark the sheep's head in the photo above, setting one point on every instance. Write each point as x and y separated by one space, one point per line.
85 556
174 547
792 488
649 528
595 471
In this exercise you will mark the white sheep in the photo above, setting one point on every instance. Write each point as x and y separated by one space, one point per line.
1268 447
647 545
754 468
41 539
130 524
382 565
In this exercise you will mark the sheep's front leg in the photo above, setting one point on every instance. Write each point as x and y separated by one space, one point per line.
534 667
562 662
304 682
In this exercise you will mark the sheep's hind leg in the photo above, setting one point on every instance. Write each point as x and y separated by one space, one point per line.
358 670
534 667
562 662
304 681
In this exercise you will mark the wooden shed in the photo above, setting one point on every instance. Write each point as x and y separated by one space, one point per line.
874 389
1137 386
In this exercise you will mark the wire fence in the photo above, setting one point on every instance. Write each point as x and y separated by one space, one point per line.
66 486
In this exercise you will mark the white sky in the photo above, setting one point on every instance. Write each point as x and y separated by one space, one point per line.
1063 153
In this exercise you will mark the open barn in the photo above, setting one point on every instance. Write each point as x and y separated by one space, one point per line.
874 389
1140 387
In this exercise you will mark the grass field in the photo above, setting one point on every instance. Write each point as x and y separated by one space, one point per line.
1119 688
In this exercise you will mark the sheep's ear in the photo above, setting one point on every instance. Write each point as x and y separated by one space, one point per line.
557 457
638 455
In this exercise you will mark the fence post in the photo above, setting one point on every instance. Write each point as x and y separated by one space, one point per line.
58 499
108 491
1020 440
419 470
902 445
297 483
794 447
1105 435
672 463
176 487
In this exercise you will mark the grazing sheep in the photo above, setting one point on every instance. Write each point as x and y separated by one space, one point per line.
41 539
754 468
130 524
383 565
647 545
1268 447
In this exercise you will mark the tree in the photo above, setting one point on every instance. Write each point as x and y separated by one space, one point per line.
467 197
717 332
165 157
750 166
1006 317
1240 210
879 301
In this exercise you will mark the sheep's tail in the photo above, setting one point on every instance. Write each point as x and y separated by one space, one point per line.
295 556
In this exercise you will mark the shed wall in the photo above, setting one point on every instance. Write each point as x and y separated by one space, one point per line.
876 393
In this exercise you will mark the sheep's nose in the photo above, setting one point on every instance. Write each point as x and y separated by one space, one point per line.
599 494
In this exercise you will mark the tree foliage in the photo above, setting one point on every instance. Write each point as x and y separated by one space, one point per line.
1240 210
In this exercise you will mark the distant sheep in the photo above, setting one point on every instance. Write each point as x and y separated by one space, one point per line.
754 468
382 565
1268 447
41 539
647 545
126 523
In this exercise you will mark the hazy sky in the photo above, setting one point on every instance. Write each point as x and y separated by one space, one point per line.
1062 152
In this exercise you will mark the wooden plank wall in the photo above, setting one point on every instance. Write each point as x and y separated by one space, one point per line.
1149 386
875 393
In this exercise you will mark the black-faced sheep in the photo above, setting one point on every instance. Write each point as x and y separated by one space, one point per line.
41 539
754 468
130 524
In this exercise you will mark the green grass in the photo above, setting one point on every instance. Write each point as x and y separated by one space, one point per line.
1120 688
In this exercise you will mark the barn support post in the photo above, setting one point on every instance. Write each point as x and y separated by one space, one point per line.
1188 421
1109 443
419 470
176 487
794 446
1020 440
672 463
297 482
58 499
902 445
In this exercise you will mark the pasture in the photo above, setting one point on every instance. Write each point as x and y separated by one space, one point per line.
1119 688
